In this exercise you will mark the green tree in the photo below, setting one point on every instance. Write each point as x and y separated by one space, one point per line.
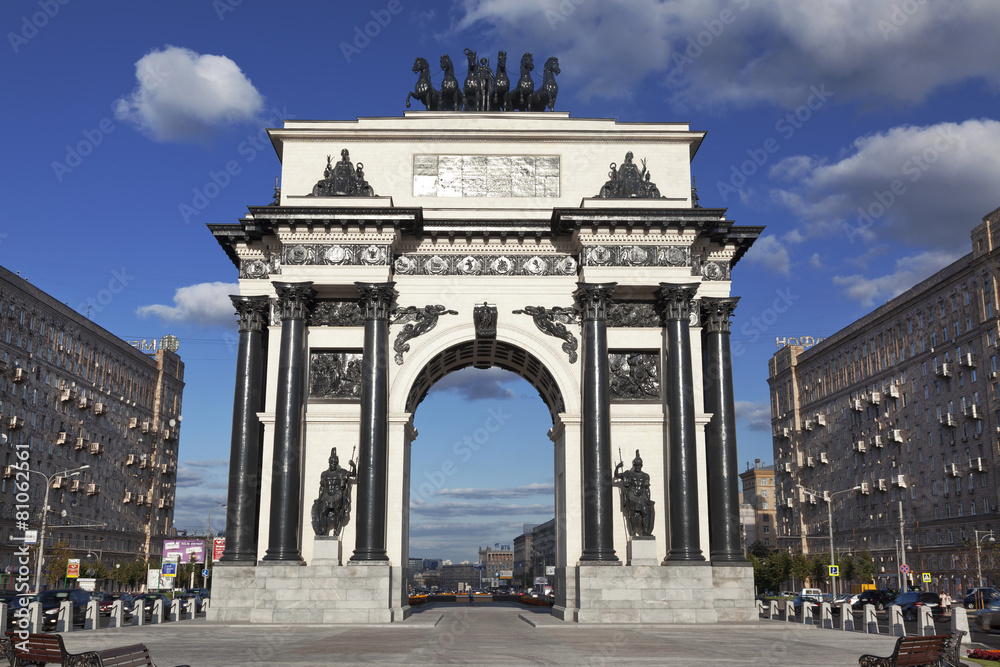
848 568
864 566
130 573
777 568
56 559
801 568
820 566
759 550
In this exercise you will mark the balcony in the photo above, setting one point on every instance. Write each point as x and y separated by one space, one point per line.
74 485
877 442
821 420
973 412
100 408
14 423
978 464
808 425
133 422
881 485
875 398
860 446
947 419
892 391
64 395
951 470
93 489
61 438
811 462
82 403
944 370
128 497
899 481
865 489
968 360
145 427
896 435
856 405
20 375
81 442
823 458
130 460
95 448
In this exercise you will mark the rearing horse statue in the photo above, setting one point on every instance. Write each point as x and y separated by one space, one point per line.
520 97
424 90
501 85
451 94
546 94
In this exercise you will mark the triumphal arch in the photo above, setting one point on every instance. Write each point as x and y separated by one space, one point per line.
571 251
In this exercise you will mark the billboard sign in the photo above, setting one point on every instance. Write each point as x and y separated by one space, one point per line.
73 568
183 550
218 547
152 580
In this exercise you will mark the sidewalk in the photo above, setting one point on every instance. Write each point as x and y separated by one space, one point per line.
496 634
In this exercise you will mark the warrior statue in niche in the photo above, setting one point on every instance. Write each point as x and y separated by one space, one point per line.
332 510
637 505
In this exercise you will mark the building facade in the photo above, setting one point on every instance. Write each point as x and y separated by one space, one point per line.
74 395
894 419
759 495
498 564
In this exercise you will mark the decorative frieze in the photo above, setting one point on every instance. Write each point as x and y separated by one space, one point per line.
485 175
552 322
252 311
635 255
635 376
259 268
335 374
418 321
346 255
632 314
337 313
711 270
485 265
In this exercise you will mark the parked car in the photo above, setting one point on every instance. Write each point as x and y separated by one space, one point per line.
108 599
989 616
979 597
186 601
204 593
51 600
849 598
16 603
910 601
879 598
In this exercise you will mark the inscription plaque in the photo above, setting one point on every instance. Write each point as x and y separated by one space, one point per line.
485 175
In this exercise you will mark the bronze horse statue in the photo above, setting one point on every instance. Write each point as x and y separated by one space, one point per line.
451 94
501 85
520 97
545 96
475 86
424 90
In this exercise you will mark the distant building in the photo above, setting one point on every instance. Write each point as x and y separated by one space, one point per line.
73 394
458 577
499 565
895 420
759 496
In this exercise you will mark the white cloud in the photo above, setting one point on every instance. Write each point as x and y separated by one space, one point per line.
203 304
757 415
908 272
183 95
515 492
745 51
916 185
474 384
770 253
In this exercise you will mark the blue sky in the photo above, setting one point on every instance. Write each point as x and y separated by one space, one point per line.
862 133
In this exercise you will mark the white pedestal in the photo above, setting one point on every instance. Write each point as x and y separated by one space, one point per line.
326 550
642 551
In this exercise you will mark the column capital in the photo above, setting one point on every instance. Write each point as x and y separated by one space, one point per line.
676 300
716 311
376 298
252 311
593 299
295 300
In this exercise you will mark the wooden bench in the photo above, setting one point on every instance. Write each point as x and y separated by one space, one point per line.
42 649
912 652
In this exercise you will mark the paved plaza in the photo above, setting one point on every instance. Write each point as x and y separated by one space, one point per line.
495 634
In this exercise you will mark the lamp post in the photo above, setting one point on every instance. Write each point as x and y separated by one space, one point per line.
828 497
72 472
988 537
208 541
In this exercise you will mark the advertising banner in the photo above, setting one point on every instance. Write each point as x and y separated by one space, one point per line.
152 580
73 568
183 550
218 546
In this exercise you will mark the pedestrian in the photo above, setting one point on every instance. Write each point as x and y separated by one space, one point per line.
471 597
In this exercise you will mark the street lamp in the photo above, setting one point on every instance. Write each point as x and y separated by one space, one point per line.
988 537
208 541
828 497
72 472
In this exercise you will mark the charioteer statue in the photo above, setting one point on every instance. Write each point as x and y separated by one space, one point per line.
637 505
332 510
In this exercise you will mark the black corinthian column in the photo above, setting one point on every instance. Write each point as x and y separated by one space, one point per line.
598 532
373 449
295 301
244 456
682 490
723 494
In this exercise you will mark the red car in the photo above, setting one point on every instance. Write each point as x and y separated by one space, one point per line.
104 605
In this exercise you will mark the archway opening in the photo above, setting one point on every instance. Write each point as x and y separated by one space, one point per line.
482 480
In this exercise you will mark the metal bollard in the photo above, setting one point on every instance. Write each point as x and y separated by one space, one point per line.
846 617
117 618
896 621
64 619
93 619
871 621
